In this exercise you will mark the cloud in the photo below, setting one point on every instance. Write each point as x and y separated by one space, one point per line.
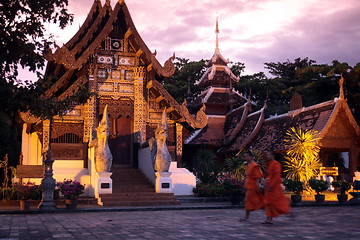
323 38
252 32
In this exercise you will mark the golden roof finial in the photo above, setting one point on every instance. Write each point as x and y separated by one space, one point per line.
217 32
121 2
341 83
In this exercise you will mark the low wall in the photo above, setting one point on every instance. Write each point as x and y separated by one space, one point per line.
145 164
183 180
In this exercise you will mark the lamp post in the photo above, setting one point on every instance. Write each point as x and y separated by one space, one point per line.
48 184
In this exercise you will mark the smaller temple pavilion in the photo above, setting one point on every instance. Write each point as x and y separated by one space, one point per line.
233 127
219 98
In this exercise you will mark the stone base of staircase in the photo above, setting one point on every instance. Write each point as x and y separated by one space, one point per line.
132 188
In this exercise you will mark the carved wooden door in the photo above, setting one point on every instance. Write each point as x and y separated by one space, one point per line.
120 142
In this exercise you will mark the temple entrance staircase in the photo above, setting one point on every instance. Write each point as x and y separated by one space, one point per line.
132 188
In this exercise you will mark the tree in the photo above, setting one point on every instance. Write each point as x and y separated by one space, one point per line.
302 154
181 84
315 82
260 88
237 68
23 42
324 84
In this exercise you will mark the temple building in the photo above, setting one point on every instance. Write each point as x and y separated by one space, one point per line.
233 127
109 57
219 98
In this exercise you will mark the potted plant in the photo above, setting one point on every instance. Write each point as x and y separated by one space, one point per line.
343 186
296 187
319 186
233 188
71 190
26 192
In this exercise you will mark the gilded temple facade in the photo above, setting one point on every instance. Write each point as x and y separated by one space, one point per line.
108 57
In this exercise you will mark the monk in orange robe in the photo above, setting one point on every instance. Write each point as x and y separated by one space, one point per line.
254 199
276 203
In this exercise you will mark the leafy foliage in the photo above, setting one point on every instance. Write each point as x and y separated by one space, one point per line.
302 155
210 190
8 171
181 84
27 191
71 189
23 41
342 185
232 185
294 186
236 166
207 167
318 185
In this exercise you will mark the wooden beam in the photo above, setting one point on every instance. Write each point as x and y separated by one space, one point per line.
138 53
128 33
170 109
159 98
149 67
180 120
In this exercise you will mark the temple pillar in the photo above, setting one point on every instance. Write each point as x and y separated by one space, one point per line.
139 126
354 161
89 112
46 136
179 144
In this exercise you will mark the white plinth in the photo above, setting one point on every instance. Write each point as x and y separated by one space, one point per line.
163 183
183 181
104 183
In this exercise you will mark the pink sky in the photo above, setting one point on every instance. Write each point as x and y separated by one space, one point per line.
251 31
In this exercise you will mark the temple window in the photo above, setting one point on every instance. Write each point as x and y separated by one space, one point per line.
67 138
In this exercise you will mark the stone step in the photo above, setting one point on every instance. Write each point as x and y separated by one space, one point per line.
147 199
136 194
132 188
141 203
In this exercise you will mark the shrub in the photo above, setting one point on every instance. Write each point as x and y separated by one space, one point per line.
27 191
8 193
71 189
232 185
302 155
294 186
342 185
207 167
210 190
318 185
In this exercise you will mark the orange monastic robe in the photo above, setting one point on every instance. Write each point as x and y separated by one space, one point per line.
254 199
275 201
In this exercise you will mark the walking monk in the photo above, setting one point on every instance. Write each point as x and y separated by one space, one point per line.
275 201
254 199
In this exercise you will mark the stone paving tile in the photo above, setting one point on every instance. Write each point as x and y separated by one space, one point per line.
303 223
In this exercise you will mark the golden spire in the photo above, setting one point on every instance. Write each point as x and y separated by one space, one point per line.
341 83
217 33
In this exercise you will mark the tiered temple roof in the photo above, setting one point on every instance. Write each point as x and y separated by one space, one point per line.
242 129
70 65
217 82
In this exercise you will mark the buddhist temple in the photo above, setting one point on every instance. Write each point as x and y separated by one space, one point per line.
233 127
107 56
219 98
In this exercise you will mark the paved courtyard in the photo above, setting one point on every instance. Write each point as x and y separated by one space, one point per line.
304 223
